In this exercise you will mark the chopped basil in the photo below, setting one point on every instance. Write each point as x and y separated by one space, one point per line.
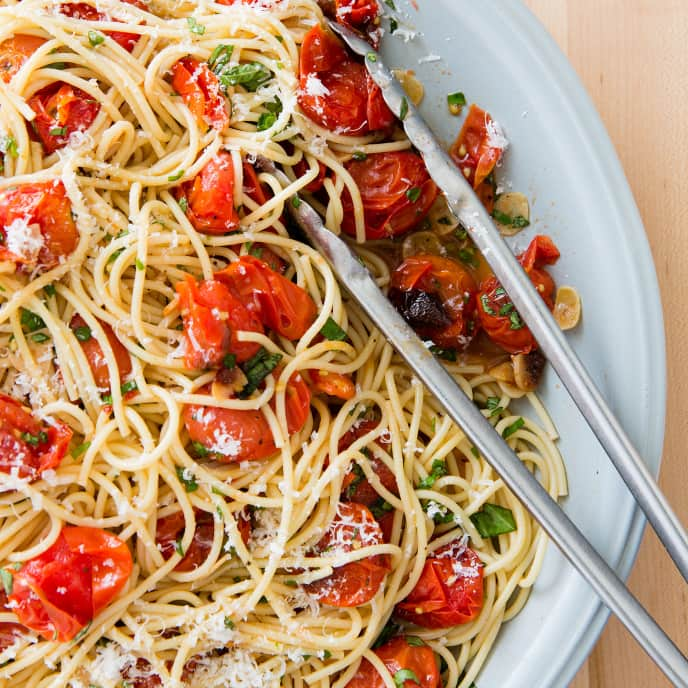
414 641
393 25
30 321
83 333
49 290
8 145
34 440
331 330
493 520
515 321
58 131
493 405
438 470
413 194
440 513
372 57
56 65
380 507
178 547
291 583
511 429
251 75
7 581
39 337
128 386
229 361
187 479
506 308
433 425
139 264
517 221
390 3
95 38
404 675
183 204
359 156
403 110
228 622
176 176
199 449
457 99
83 632
445 354
460 233
78 451
257 369
194 26
389 631
359 477
485 301
267 119
220 57
296 202
467 256
475 452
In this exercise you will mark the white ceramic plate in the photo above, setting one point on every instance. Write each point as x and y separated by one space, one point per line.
497 53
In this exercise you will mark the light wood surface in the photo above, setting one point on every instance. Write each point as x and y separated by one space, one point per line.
633 60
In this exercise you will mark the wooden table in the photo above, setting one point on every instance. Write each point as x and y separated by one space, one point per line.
633 60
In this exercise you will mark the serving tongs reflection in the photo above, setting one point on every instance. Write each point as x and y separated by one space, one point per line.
470 212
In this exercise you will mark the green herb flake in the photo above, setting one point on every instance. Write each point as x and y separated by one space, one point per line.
444 354
265 121
359 156
404 675
58 131
393 25
390 4
493 520
257 369
229 361
485 302
229 623
403 110
518 221
82 633
81 449
178 547
7 581
194 26
457 99
475 452
56 65
95 38
467 256
199 449
40 338
250 75
83 333
372 57
128 386
50 290
187 478
460 233
331 330
176 176
389 631
183 204
511 429
506 308
8 145
438 470
291 583
220 57
139 265
30 321
414 641
515 322
413 194
493 406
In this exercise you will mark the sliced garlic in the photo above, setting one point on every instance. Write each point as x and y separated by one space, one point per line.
414 89
504 372
567 308
528 370
441 218
422 243
515 206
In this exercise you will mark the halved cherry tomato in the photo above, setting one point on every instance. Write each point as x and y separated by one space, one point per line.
357 14
280 304
29 446
234 435
9 632
170 529
200 90
333 384
398 654
58 592
252 186
15 51
45 205
61 110
302 167
475 151
210 197
396 191
449 316
357 582
213 316
335 92
449 591
94 352
82 10
497 313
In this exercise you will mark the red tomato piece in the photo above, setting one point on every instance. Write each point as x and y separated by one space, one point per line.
297 402
252 186
36 225
14 52
454 290
82 10
213 316
449 591
357 14
210 197
336 92
478 147
94 352
59 591
496 312
302 167
399 654
61 110
29 446
396 191
9 632
357 582
170 529
333 384
200 90
280 304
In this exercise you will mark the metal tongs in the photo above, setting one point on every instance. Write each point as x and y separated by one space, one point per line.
471 214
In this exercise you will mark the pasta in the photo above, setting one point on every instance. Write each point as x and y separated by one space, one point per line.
96 339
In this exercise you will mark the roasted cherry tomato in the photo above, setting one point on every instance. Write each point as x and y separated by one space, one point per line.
302 167
498 316
213 316
200 90
59 591
449 591
280 304
252 186
232 435
169 531
36 225
9 632
398 654
82 10
210 197
396 191
360 15
15 51
357 582
336 92
333 384
437 297
479 146
61 110
29 446
94 352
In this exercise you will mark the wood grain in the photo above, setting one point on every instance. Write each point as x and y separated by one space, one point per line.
632 58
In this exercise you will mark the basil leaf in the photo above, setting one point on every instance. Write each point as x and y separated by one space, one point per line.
404 675
413 194
95 38
403 111
220 57
257 369
493 520
194 26
457 99
331 330
414 641
30 321
128 386
187 479
511 429
359 156
389 631
8 145
83 333
78 451
445 354
439 469
251 76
